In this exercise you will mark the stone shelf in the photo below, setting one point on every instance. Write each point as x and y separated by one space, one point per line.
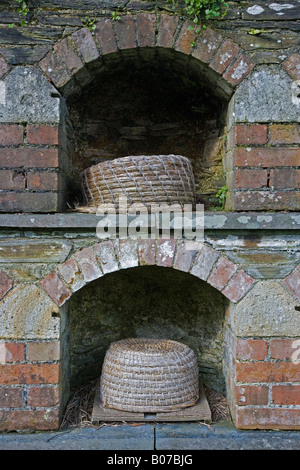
212 220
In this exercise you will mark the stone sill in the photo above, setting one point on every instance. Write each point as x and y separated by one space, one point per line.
212 221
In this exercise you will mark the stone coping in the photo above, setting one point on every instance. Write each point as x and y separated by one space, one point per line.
212 220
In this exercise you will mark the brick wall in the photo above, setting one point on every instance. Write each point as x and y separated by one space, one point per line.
262 159
29 376
265 170
267 383
29 168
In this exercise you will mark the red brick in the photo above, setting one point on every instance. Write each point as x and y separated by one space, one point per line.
265 200
145 23
12 352
266 157
14 374
106 255
29 202
39 420
87 262
65 49
43 396
165 252
4 67
284 134
85 44
250 178
207 45
267 372
55 69
70 273
292 283
222 272
285 178
29 157
224 56
105 36
252 395
239 70
11 180
286 394
184 257
43 351
292 66
186 37
6 284
267 418
248 349
250 134
55 288
285 349
147 252
166 30
238 286
11 397
11 134
125 31
42 135
42 180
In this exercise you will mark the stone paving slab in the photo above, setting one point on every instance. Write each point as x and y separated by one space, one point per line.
123 437
157 437
222 436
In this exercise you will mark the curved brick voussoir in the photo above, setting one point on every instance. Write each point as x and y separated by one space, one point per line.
67 64
108 256
56 288
292 283
6 283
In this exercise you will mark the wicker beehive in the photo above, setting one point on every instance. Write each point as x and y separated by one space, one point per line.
141 179
149 375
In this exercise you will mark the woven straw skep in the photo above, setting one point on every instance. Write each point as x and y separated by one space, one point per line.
149 375
142 179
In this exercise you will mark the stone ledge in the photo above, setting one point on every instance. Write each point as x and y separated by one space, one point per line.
212 221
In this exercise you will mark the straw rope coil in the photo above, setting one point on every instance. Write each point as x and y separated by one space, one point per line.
149 375
141 179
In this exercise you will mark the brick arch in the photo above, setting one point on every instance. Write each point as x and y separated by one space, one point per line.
108 256
71 62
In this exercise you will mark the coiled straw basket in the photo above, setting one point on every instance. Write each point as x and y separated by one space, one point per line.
141 179
149 375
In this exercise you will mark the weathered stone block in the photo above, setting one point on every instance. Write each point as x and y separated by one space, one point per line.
26 313
27 96
260 97
267 310
31 251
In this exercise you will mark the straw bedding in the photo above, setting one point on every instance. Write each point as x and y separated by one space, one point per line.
141 179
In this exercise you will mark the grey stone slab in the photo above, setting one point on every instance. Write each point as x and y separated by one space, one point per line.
34 251
222 436
108 437
267 95
27 96
212 220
